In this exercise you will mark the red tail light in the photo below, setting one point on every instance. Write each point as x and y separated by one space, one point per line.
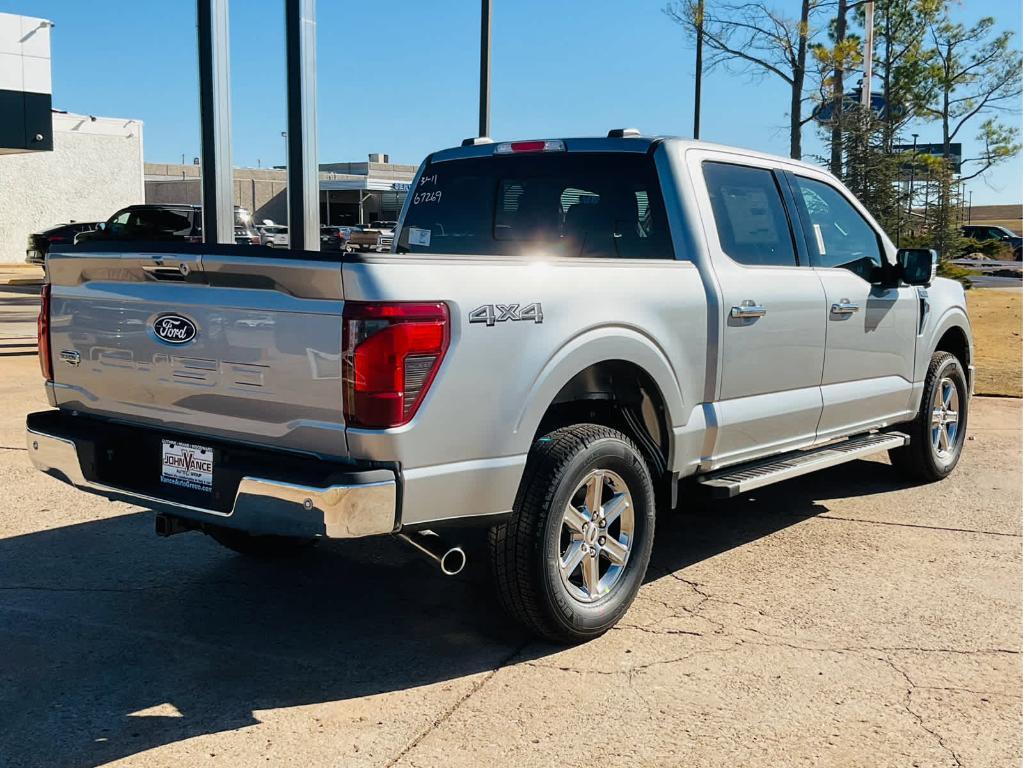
43 329
392 352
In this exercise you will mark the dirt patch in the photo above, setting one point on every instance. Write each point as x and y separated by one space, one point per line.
997 324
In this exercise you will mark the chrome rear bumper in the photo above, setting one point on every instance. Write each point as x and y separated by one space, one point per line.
261 505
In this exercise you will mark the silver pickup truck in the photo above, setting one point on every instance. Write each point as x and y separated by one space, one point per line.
566 336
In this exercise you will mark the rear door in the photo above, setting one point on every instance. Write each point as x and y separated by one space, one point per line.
871 328
772 337
231 344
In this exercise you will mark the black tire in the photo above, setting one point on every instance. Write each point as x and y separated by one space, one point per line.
526 551
921 460
262 547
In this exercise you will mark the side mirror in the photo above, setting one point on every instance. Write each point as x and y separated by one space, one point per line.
918 266
101 225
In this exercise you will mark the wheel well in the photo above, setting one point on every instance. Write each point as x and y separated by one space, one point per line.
954 341
621 395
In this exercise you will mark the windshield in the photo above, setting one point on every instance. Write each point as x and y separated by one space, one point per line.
565 204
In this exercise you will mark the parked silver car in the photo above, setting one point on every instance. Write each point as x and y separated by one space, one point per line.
273 235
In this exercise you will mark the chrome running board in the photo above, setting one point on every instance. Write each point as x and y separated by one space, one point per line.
731 481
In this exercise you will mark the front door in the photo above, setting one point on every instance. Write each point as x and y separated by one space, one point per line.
772 324
871 328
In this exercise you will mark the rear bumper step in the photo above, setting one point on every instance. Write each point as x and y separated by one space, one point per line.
732 481
363 503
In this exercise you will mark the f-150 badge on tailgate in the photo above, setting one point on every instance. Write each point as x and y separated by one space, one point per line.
174 329
499 313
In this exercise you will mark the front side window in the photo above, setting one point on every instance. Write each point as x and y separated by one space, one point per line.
841 236
547 204
117 225
751 222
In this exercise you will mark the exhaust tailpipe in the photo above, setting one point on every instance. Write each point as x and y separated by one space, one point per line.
450 559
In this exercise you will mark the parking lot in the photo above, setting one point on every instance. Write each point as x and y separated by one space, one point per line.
839 619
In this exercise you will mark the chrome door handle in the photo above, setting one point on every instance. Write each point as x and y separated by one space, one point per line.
748 308
844 307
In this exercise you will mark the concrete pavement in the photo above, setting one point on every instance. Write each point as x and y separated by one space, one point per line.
20 274
843 619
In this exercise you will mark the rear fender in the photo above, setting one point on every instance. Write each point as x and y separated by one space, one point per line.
589 348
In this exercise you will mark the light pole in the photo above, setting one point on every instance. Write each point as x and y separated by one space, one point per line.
868 56
284 135
912 179
699 70
484 127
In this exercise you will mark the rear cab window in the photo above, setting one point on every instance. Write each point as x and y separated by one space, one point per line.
566 204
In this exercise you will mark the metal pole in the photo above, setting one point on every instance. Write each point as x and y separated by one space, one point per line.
868 55
699 70
485 68
217 184
969 209
912 179
303 170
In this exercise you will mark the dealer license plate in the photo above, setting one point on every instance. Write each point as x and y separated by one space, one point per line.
187 465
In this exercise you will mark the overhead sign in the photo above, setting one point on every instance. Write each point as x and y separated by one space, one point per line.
824 112
955 152
401 186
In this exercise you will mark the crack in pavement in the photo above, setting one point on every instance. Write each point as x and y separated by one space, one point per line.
882 654
629 671
907 705
918 525
447 713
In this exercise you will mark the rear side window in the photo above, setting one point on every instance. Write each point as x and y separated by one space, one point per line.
750 218
551 204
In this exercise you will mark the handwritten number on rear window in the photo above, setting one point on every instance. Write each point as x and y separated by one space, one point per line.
426 197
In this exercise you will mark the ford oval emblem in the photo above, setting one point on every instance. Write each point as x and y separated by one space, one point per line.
174 329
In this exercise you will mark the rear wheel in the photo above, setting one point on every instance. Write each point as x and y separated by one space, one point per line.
573 556
938 432
263 547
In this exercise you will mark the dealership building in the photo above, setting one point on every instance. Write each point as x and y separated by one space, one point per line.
55 167
350 193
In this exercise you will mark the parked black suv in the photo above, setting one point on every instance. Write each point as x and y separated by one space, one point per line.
39 242
173 222
985 232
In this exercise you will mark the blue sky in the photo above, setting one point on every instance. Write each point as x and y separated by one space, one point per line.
401 76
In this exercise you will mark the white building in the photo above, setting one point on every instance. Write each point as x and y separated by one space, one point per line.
95 168
25 89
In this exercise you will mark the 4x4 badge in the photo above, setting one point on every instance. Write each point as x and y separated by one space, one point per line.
499 313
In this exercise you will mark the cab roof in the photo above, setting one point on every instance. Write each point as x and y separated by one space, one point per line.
637 144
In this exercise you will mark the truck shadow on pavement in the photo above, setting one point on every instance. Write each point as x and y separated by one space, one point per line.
113 641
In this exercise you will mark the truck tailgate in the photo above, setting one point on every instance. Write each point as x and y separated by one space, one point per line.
234 344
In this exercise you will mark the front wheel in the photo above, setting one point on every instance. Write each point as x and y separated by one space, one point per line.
573 556
938 432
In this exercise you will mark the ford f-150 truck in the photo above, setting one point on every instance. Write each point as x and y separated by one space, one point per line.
566 335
